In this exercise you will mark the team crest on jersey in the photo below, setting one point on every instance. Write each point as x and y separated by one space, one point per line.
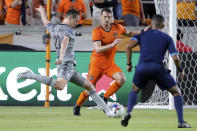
91 77
115 35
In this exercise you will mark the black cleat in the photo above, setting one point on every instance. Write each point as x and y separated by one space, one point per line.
125 120
76 110
184 125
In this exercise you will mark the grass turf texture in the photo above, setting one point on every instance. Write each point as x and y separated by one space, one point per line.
61 118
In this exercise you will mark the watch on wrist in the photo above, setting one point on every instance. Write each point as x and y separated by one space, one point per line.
129 64
180 69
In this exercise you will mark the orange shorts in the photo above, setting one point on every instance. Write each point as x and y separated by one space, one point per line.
96 72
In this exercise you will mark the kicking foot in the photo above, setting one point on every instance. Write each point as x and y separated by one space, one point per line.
108 114
184 125
76 110
125 120
25 75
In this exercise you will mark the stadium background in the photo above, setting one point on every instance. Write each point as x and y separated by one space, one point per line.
27 50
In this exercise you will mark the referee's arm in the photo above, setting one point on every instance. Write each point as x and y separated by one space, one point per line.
133 43
177 62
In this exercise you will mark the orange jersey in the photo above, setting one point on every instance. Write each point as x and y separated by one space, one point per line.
106 37
79 5
13 14
131 7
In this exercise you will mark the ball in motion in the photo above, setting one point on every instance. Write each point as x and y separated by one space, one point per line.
116 109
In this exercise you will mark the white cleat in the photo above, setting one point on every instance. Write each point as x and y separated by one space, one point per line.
25 75
109 114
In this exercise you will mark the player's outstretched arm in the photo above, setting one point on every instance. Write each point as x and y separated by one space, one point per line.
136 32
15 3
43 15
130 45
177 62
64 45
100 49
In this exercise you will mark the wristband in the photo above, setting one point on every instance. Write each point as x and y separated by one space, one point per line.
180 69
129 64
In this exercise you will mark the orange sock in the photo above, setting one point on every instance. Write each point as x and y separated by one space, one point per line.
112 89
82 98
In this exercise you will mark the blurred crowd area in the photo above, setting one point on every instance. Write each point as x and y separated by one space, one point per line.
126 12
23 12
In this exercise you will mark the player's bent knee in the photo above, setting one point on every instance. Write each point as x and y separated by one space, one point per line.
175 91
121 80
135 88
88 85
59 85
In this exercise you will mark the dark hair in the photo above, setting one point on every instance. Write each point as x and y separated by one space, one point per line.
158 19
73 13
108 10
179 34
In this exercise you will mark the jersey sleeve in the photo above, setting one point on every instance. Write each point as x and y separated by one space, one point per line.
171 48
96 35
136 37
50 27
122 29
67 32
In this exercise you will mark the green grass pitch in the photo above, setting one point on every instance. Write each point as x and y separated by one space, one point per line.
13 118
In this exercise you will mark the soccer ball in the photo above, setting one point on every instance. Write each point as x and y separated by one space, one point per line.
116 109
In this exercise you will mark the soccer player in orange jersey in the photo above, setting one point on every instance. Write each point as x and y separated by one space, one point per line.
105 37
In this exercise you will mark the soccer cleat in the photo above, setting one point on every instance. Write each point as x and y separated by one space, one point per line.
125 120
25 75
184 125
76 110
108 114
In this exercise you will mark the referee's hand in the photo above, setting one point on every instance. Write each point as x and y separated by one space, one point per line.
129 68
182 74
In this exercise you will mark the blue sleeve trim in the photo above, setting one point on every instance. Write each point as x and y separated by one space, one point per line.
133 38
174 54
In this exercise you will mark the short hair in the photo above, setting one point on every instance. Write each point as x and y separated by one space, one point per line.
158 20
179 34
108 10
73 13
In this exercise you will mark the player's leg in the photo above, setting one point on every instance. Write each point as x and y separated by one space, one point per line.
166 82
178 103
140 80
132 100
58 84
86 84
115 73
94 74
